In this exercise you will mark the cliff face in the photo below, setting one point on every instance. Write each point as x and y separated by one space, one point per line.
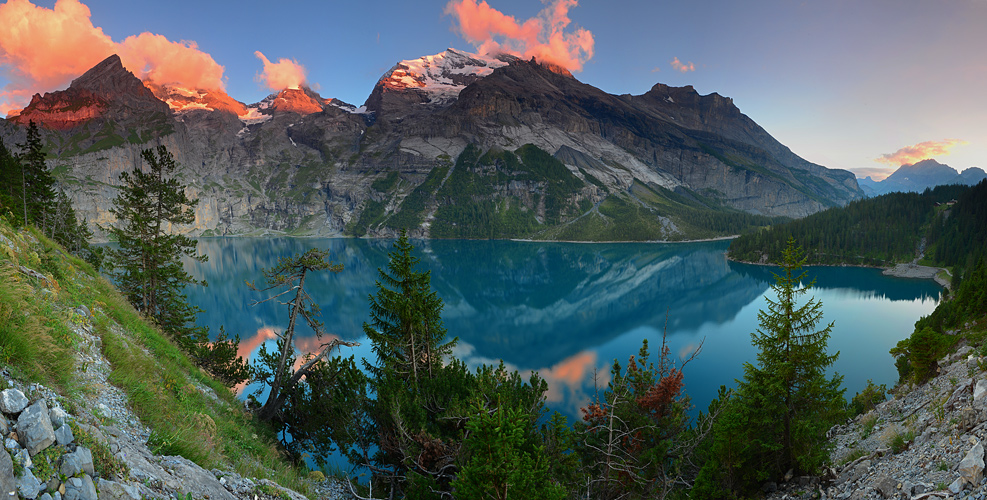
299 163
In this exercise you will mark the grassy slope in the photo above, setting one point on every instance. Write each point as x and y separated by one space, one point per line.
37 345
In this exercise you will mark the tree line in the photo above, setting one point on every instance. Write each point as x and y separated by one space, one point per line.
29 194
877 231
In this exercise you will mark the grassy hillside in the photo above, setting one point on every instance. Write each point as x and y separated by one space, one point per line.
41 285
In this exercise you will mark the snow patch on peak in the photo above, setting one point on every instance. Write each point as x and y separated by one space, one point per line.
253 115
442 76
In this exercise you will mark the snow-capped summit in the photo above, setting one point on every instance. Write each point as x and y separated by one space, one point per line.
182 100
303 101
437 79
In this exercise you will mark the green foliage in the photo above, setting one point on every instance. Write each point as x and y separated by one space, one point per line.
406 325
778 418
876 231
221 360
505 460
917 356
634 441
147 265
409 214
371 215
385 183
37 183
868 399
105 463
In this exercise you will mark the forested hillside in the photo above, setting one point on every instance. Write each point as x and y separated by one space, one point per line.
878 231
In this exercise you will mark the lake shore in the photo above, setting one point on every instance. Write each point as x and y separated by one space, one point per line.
907 270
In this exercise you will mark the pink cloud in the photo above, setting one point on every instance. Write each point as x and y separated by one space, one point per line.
284 74
45 49
543 37
918 152
683 67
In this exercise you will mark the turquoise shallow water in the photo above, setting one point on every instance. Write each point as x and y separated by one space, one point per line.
568 310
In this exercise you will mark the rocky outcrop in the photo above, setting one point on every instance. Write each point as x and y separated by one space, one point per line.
926 442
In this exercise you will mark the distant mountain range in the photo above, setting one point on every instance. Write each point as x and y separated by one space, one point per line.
920 176
449 145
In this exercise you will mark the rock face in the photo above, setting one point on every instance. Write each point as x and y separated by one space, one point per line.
34 428
297 162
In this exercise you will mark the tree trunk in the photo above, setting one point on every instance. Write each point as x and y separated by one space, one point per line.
274 399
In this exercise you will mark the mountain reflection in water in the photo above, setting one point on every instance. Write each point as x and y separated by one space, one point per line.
569 310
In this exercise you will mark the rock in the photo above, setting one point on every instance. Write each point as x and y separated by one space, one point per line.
58 417
11 444
980 394
968 419
112 490
34 428
769 487
956 486
70 464
8 483
859 471
885 485
28 486
82 310
86 457
12 401
45 497
63 435
80 488
972 466
22 457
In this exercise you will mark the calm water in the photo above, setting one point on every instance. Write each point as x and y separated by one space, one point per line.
568 310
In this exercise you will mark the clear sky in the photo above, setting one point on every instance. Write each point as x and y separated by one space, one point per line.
842 83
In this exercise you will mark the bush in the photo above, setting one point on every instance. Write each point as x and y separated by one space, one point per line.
868 399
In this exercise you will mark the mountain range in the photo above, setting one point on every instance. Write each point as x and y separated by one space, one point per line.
920 176
449 145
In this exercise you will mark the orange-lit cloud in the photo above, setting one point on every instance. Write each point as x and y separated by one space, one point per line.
921 151
44 49
284 74
542 37
683 67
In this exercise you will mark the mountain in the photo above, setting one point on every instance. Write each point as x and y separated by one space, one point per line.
920 176
448 145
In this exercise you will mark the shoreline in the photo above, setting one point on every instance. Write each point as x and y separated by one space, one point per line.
906 270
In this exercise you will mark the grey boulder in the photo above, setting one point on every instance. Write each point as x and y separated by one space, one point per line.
28 486
112 490
34 428
12 401
63 435
80 488
8 483
972 466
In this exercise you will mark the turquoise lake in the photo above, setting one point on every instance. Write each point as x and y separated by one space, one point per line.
567 310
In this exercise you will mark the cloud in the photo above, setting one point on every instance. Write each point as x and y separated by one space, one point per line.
284 74
921 151
44 49
683 67
542 37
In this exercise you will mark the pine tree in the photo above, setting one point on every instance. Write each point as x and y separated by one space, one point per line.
785 401
147 265
37 184
406 324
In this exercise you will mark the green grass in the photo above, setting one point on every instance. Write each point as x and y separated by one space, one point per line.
162 384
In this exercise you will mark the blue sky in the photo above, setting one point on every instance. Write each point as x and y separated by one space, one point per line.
840 82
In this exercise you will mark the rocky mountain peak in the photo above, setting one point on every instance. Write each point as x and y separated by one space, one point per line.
435 80
110 79
105 88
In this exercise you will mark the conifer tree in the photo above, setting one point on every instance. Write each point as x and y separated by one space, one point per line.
406 324
11 190
786 399
147 265
37 184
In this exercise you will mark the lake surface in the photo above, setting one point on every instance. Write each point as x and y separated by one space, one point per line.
568 310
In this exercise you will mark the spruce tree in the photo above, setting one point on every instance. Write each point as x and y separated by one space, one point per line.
406 324
786 402
147 265
37 184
